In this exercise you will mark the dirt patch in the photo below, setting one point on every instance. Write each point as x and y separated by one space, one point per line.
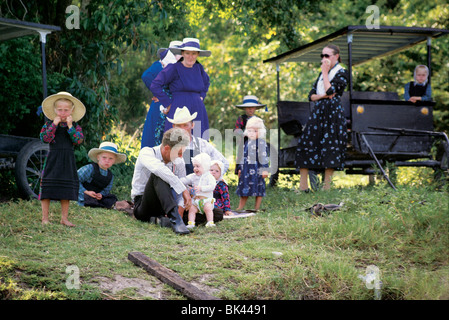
142 288
114 288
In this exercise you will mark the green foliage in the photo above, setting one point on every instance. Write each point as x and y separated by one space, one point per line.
21 87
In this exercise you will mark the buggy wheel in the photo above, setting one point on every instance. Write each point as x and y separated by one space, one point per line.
441 174
29 165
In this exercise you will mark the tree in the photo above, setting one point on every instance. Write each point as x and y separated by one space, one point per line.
82 61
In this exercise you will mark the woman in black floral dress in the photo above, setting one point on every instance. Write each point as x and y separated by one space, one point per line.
322 145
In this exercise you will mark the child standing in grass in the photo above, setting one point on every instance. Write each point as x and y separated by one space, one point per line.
96 180
221 191
252 165
59 176
203 185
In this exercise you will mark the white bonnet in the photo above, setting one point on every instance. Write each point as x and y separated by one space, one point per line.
204 160
220 165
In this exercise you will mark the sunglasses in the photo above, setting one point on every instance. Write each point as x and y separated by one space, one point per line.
325 55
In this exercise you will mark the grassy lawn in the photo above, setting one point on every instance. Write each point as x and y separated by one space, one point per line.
281 253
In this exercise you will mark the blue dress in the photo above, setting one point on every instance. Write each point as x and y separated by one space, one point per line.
323 142
252 164
188 87
153 129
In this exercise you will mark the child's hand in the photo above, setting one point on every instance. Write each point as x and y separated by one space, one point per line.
238 174
57 120
197 188
228 213
94 195
264 174
69 121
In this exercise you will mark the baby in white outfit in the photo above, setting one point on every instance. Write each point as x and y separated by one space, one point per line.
203 185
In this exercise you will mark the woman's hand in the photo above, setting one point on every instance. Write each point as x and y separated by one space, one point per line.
264 174
167 110
325 66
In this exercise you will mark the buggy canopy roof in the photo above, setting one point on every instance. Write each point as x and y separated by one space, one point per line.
10 29
367 43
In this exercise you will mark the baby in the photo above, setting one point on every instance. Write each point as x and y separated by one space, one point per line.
203 185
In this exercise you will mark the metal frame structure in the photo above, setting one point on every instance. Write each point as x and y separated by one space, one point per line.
358 45
26 155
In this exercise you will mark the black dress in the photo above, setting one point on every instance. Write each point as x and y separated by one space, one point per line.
60 177
323 142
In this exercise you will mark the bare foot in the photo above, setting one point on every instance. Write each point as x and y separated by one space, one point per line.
45 222
67 223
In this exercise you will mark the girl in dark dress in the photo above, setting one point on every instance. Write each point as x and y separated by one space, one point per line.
252 166
60 177
322 145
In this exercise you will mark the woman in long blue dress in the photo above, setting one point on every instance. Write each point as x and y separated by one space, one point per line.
188 83
154 125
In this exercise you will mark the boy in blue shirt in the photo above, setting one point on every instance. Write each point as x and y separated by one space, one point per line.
96 180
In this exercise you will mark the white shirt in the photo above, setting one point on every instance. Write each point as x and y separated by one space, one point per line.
150 162
202 145
205 181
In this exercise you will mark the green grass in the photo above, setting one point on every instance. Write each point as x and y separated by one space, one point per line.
404 233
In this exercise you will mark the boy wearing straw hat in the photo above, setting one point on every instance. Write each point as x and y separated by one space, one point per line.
96 180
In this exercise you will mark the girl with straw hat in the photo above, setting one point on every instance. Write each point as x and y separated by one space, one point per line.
188 83
59 176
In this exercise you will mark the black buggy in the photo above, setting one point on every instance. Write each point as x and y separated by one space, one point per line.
26 155
382 128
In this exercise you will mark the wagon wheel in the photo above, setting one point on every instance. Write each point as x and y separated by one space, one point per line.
29 164
441 174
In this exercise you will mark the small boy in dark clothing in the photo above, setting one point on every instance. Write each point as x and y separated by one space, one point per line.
96 180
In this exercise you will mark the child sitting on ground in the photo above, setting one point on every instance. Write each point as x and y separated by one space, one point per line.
96 179
203 185
419 89
221 192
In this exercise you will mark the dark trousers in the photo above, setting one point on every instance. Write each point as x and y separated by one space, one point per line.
106 202
157 200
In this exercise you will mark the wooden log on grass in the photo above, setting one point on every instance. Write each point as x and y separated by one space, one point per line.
169 277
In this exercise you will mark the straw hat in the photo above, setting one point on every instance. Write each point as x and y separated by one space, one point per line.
174 44
106 147
182 115
250 101
190 44
48 106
